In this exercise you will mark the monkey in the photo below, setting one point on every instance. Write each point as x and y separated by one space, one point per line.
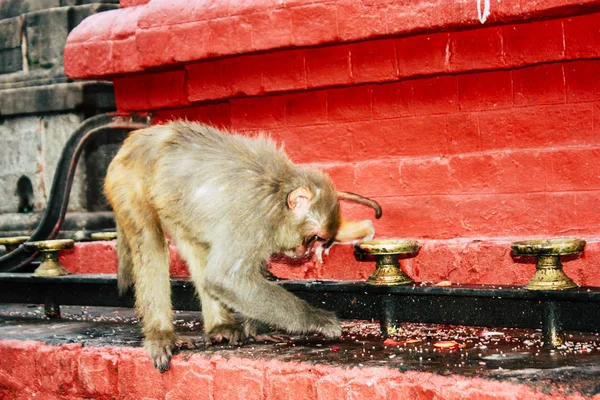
229 202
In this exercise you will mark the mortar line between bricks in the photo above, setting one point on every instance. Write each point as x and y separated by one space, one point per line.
521 151
486 194
382 82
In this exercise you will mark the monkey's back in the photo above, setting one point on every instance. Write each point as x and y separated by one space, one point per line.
207 180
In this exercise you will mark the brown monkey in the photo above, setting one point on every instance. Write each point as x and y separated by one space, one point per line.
229 202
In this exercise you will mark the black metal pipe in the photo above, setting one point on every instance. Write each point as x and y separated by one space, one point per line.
477 305
58 201
552 325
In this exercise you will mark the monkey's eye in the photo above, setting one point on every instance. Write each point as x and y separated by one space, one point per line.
309 241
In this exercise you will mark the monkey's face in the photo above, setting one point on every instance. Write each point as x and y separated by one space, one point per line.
307 248
317 220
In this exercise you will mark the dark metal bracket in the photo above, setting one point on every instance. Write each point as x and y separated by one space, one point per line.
554 312
58 201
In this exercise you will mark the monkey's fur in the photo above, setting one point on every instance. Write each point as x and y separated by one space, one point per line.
229 202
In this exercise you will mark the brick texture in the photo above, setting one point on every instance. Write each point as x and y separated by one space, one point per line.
165 33
466 132
466 260
193 375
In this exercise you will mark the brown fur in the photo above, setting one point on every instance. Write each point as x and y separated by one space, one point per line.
227 202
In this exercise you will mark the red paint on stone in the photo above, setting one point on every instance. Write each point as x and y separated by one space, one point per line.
582 36
537 127
90 258
271 29
98 373
314 24
540 84
485 91
583 83
248 376
422 54
257 113
195 30
533 42
352 103
374 61
476 49
393 100
189 378
137 376
328 66
193 375
305 108
438 95
358 20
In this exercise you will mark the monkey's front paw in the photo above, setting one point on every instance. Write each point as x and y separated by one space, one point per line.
233 334
327 324
160 351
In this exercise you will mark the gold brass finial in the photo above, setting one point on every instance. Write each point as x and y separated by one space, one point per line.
387 252
50 266
549 274
104 236
13 242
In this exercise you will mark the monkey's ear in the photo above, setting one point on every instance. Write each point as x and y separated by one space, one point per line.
299 200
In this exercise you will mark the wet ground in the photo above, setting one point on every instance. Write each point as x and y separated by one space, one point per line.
514 355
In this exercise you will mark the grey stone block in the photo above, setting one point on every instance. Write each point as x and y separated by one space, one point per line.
74 223
11 60
38 77
81 2
10 33
31 146
55 131
47 32
13 8
20 150
89 96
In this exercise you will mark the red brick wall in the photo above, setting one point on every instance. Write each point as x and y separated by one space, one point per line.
469 135
482 133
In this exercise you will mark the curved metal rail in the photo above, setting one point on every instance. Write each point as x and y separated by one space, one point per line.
58 201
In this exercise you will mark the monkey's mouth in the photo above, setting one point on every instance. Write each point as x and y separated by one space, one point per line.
299 253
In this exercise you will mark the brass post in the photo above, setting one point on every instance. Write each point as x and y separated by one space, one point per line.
104 236
387 253
12 243
50 265
549 274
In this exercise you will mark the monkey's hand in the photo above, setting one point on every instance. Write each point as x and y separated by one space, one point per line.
349 232
160 350
355 230
325 323
233 334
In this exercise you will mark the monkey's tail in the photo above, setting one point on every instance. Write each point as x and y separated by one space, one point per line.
125 269
362 200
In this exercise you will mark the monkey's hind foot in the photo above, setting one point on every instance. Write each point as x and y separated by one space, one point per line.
270 337
160 350
261 332
187 343
233 334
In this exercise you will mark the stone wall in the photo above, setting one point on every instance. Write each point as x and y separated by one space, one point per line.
40 107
